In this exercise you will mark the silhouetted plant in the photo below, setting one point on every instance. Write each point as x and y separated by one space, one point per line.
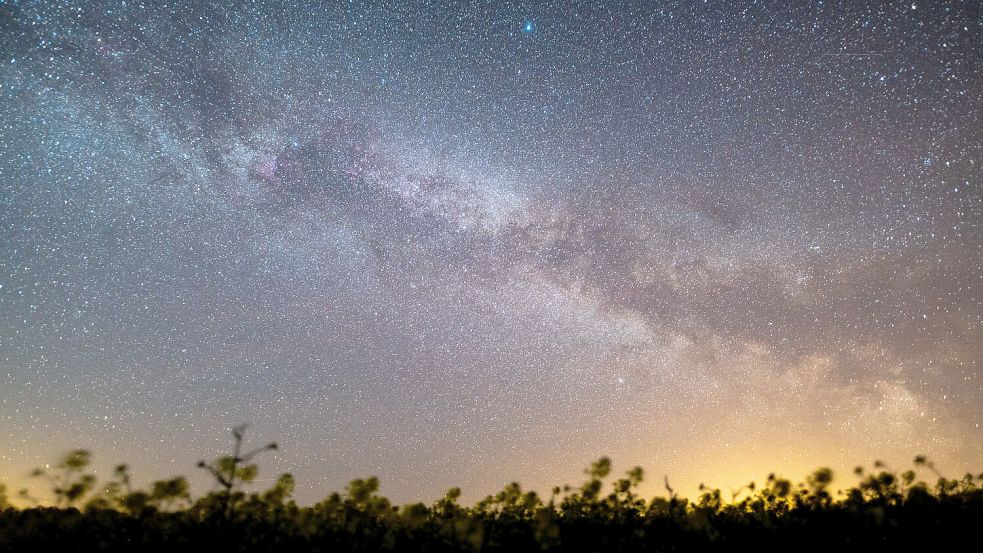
281 490
165 493
68 483
818 483
884 510
231 471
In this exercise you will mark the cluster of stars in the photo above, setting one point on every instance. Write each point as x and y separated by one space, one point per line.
464 244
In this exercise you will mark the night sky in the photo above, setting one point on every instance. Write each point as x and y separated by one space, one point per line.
460 244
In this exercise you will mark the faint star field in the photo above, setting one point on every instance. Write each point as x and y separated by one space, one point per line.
466 243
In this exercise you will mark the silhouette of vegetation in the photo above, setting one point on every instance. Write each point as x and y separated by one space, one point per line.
68 483
883 510
231 471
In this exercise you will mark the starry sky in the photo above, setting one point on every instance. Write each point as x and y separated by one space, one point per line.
465 243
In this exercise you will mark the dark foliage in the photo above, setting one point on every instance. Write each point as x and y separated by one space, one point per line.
884 510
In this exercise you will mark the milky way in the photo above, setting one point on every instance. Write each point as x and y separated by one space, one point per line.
462 244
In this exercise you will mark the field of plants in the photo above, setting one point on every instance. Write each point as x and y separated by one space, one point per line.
885 510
